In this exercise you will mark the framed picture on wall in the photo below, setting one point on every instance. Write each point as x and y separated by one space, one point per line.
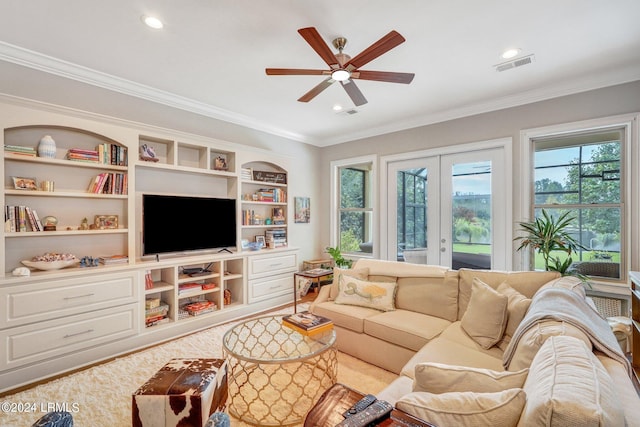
302 209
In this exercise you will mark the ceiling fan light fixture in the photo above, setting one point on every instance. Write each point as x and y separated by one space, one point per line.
510 53
340 75
152 22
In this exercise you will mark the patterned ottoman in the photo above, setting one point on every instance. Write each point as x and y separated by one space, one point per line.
183 393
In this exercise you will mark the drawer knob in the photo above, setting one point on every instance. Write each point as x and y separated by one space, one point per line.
88 331
79 296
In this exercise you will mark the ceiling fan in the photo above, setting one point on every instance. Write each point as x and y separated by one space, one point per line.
343 68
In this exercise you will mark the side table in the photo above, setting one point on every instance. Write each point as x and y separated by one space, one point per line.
316 276
328 411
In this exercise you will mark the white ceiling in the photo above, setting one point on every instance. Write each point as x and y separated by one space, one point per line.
211 55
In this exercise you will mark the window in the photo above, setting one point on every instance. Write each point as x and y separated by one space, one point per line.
412 208
354 208
584 173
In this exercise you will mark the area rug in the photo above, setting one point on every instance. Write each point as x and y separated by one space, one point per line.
101 396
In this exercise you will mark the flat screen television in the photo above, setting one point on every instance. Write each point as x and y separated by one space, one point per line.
175 224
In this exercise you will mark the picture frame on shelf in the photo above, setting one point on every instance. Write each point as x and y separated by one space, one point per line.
302 206
22 183
103 222
220 163
261 240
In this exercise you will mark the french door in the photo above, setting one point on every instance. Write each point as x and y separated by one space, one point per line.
449 210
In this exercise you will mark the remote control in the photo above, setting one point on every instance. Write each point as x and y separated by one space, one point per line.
360 405
373 412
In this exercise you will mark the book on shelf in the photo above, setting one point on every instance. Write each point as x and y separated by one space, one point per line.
20 150
148 280
189 288
114 259
22 219
307 323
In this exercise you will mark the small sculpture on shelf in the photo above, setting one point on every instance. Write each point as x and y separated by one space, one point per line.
84 225
148 154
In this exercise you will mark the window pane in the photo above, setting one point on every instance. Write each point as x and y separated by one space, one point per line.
352 188
354 230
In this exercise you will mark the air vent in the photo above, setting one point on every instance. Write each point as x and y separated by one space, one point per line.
514 63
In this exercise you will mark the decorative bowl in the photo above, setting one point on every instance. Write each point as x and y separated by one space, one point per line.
50 265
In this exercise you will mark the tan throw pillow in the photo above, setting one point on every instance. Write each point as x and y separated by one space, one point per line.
486 316
569 386
441 378
377 295
466 408
360 273
517 308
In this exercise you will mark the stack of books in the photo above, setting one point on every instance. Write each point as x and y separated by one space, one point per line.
200 307
155 312
78 154
307 323
189 288
246 174
276 195
20 150
112 154
276 238
114 259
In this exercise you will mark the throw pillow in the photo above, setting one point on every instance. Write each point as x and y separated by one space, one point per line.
486 316
360 273
377 295
466 408
441 378
569 386
517 307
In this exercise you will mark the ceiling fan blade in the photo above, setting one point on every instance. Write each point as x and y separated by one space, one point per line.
380 47
316 90
315 40
383 76
354 92
295 72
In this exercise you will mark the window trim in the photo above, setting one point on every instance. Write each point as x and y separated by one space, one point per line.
336 165
631 196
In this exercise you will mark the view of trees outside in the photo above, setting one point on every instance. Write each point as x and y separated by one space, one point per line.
586 180
412 209
355 217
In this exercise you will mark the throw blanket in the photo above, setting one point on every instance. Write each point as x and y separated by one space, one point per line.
567 306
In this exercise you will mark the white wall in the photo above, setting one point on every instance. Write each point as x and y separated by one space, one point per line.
509 122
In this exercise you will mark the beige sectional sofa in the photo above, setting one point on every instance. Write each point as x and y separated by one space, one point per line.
475 347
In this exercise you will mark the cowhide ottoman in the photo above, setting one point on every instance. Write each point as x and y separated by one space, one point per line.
181 394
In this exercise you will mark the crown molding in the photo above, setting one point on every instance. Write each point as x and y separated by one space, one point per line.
48 64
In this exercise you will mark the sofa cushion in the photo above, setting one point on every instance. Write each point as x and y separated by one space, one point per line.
364 293
443 378
568 386
347 316
435 296
455 333
486 315
466 408
360 273
525 282
517 308
442 350
405 328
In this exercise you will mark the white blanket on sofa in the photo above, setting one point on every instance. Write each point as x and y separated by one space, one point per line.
567 306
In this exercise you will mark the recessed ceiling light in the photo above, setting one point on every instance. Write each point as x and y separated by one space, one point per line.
510 53
337 108
152 21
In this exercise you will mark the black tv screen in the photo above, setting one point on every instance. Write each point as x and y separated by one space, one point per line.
184 223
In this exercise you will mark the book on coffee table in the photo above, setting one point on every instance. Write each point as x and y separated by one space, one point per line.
307 323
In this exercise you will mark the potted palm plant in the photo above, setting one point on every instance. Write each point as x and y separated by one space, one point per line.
548 235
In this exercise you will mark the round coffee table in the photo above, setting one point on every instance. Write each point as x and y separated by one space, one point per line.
275 373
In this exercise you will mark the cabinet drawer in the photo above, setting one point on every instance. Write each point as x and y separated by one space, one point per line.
48 300
32 343
270 287
272 264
